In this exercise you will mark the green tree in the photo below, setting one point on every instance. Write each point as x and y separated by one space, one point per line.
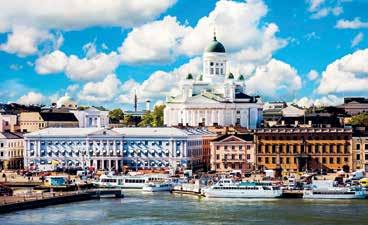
116 115
154 118
359 120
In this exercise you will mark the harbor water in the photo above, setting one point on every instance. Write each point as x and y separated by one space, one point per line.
165 208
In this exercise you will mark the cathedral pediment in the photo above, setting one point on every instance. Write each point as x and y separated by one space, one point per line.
104 133
201 99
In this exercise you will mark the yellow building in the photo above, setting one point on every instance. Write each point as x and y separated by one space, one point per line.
11 150
301 149
34 121
360 153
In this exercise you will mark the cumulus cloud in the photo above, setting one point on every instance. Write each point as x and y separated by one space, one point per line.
276 78
101 91
347 74
242 18
53 62
357 39
328 100
153 42
71 14
95 67
160 83
24 41
312 75
32 98
351 24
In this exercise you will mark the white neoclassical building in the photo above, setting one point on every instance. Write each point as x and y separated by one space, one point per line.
111 149
215 97
92 117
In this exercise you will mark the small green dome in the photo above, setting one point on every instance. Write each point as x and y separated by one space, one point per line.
231 76
215 46
190 76
241 77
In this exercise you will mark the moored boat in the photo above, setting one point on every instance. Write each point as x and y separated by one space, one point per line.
226 188
129 182
334 193
158 187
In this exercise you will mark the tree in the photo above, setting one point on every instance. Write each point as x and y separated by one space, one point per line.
116 115
359 120
154 118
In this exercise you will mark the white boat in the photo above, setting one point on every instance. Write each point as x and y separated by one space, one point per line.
334 193
129 182
157 187
226 188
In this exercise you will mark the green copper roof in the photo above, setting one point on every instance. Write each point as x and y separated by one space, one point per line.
201 77
241 78
231 76
190 76
215 46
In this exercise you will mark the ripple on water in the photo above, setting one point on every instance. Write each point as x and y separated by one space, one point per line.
177 209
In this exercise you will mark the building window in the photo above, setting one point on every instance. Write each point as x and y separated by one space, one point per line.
338 160
331 160
273 160
281 160
218 157
248 156
240 147
211 71
366 156
357 147
287 160
240 157
232 156
346 159
217 71
266 160
233 147
217 147
365 146
357 156
260 159
324 160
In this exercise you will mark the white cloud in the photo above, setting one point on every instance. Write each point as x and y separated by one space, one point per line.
94 68
159 84
347 74
320 9
71 14
241 18
351 24
31 98
357 39
312 75
15 67
328 100
153 42
275 78
24 41
253 42
54 62
102 91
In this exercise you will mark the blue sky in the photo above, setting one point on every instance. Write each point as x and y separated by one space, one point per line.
310 52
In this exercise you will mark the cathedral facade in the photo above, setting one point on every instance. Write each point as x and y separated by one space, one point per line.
214 98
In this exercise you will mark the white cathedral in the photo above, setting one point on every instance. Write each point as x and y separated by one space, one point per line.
214 98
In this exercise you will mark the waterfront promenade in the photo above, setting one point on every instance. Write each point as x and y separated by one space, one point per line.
35 200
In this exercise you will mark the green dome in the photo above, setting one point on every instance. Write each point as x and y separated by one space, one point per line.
231 76
241 77
215 46
190 76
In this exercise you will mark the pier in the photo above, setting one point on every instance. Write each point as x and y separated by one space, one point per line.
35 200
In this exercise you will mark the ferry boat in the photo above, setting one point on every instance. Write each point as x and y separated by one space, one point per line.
227 188
129 182
334 193
158 187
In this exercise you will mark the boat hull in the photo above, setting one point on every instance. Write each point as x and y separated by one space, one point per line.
242 194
